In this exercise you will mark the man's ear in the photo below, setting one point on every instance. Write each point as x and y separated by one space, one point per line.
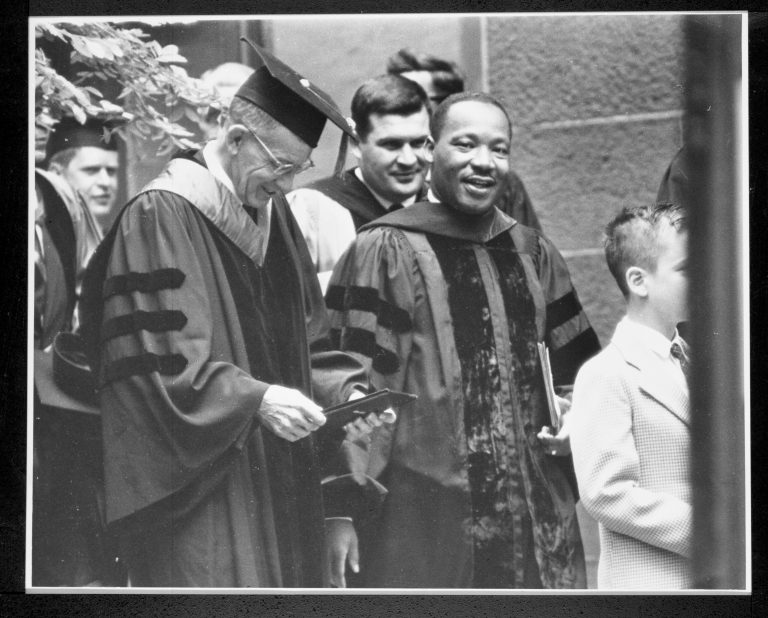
355 146
635 278
429 150
56 168
234 137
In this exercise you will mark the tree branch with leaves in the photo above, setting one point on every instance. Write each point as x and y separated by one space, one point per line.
156 93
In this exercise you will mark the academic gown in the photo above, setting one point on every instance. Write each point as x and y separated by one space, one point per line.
450 308
188 329
349 191
68 543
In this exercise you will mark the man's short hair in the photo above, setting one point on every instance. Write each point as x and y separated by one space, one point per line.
386 94
446 75
243 112
437 121
631 238
62 158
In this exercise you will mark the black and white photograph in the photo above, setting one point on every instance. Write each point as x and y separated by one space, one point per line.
370 304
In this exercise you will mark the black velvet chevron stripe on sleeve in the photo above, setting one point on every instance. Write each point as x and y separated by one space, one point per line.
568 359
152 321
334 297
364 342
561 310
162 279
166 364
359 298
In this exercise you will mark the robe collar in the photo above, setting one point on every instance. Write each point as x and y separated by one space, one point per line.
437 218
183 176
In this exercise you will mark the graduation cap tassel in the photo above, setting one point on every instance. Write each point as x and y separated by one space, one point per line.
341 159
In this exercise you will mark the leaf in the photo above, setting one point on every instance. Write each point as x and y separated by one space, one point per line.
81 47
92 90
169 58
98 49
78 112
110 107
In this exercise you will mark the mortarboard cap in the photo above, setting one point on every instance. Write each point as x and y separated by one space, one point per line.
290 99
69 133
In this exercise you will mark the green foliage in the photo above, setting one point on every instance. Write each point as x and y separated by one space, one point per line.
156 92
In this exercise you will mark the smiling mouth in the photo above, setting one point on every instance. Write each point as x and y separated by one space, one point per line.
479 184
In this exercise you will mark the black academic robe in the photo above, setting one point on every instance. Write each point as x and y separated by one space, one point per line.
450 308
349 191
188 328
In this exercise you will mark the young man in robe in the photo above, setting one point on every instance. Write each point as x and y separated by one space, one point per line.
441 78
81 155
69 546
391 117
207 331
447 299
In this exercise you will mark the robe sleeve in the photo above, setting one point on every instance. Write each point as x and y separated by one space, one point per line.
568 333
173 399
371 300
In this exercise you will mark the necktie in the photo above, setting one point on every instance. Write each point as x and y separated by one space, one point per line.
677 351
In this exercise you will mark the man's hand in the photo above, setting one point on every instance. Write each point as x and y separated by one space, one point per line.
360 429
355 444
289 414
560 443
341 541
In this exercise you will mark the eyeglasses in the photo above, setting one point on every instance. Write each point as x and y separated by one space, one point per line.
282 167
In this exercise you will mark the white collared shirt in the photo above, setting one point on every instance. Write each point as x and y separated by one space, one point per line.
387 204
657 343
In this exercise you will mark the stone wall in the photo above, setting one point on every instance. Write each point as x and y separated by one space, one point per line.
596 102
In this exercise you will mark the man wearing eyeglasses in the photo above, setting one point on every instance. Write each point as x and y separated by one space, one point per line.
391 117
207 331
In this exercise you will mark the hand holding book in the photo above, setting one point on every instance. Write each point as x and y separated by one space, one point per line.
555 438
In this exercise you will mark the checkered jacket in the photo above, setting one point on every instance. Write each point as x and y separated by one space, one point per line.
630 439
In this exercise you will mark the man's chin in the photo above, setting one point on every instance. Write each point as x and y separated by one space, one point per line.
100 209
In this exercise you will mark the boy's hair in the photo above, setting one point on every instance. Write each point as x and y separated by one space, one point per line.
631 238
386 94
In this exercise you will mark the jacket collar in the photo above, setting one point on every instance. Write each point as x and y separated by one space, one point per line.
654 380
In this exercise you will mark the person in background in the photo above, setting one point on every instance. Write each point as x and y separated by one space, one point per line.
208 336
630 420
70 546
391 118
225 79
88 160
440 78
447 299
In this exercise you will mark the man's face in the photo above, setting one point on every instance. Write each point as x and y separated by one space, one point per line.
252 169
93 173
392 156
471 157
427 82
667 284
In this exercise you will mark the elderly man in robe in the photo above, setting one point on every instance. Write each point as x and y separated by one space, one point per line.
208 334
